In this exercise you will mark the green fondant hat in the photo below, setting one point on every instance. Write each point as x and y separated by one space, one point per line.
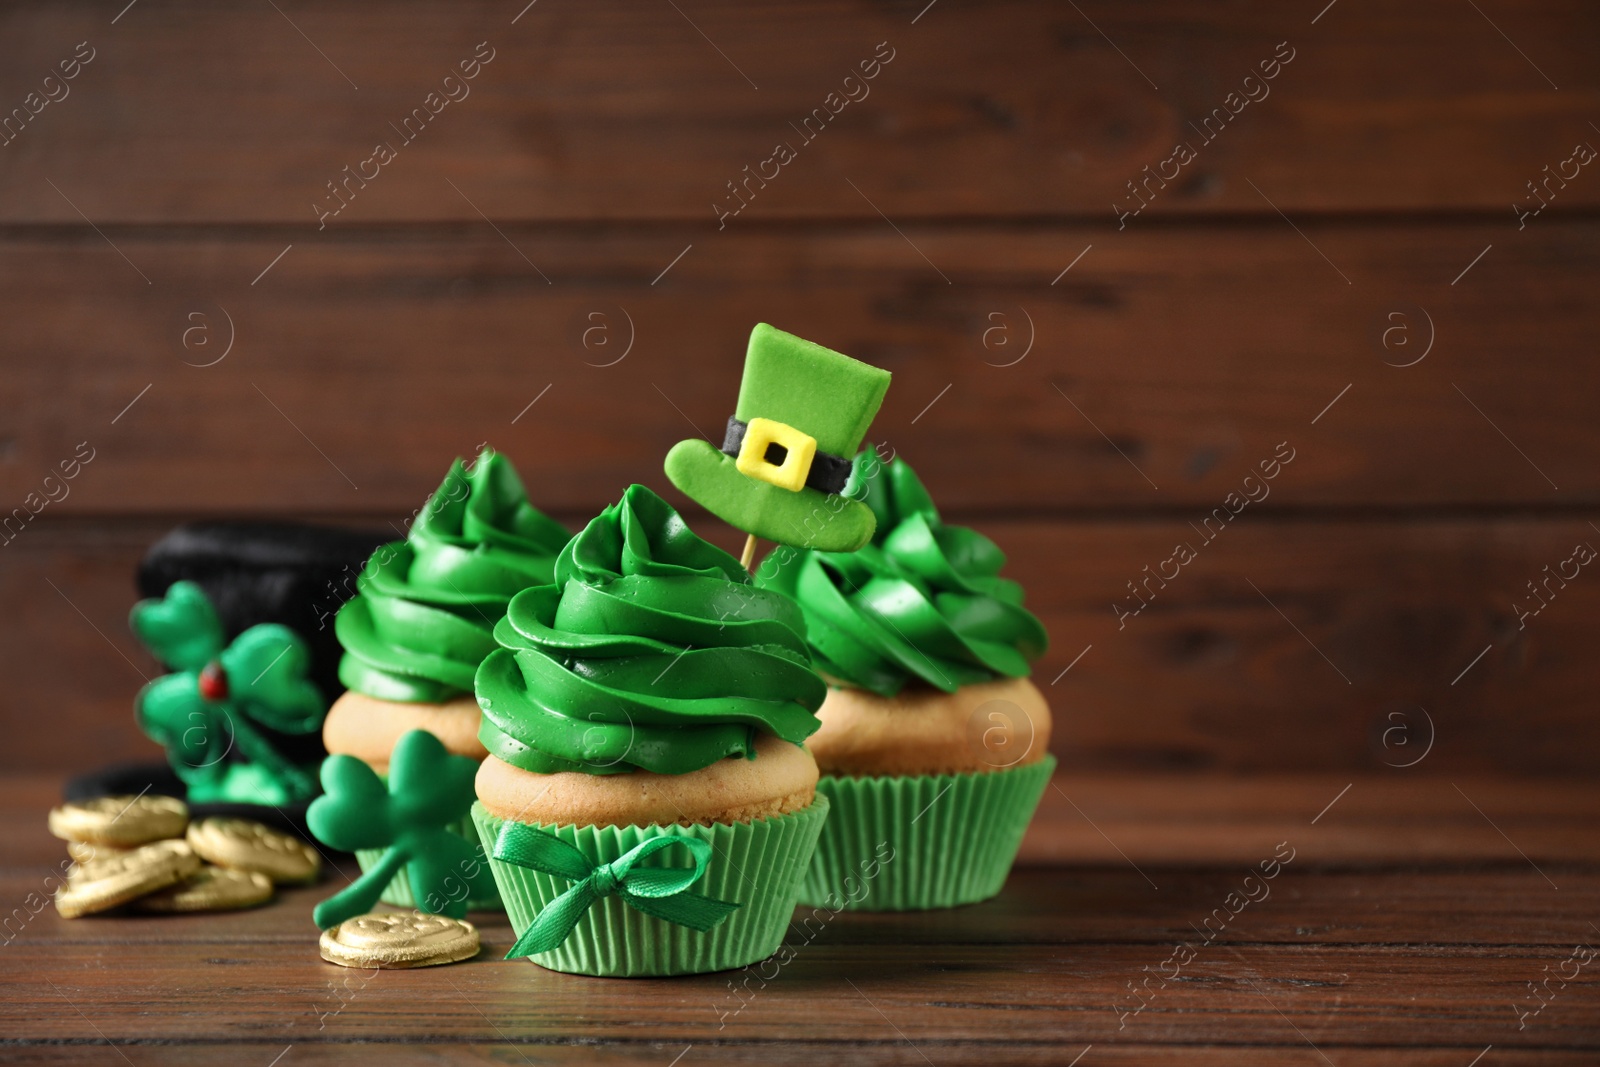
784 465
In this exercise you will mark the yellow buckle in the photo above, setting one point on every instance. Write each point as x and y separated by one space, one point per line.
799 450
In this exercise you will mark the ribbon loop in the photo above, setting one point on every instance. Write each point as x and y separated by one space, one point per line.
527 847
661 892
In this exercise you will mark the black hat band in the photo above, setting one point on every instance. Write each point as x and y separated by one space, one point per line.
828 473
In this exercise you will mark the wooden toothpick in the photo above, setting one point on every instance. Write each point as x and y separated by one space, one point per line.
749 554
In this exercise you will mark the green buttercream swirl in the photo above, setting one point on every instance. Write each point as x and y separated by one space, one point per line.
651 650
424 614
924 601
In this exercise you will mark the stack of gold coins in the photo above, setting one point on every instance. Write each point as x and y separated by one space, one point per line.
142 853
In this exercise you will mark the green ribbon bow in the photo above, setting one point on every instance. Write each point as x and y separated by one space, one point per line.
662 892
409 817
206 713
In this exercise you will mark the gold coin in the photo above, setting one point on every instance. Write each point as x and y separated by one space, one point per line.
121 822
84 852
209 889
399 939
106 883
249 846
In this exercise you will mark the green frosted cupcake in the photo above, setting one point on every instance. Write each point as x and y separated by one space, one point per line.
647 803
423 619
934 742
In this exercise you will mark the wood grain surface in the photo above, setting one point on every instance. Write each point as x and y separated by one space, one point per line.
1380 258
1290 644
1339 272
1363 952
624 111
1158 374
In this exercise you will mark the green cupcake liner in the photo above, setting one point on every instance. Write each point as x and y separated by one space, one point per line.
398 891
927 841
757 864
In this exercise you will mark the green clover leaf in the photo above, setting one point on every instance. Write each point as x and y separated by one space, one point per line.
267 667
182 628
409 817
207 712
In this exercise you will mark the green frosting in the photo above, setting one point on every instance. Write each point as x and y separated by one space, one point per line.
924 601
424 614
652 650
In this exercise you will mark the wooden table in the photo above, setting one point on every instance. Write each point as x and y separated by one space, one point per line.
1407 928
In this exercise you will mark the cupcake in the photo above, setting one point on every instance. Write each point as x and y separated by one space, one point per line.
649 692
424 614
934 742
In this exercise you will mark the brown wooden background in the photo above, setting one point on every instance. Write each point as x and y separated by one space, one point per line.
456 288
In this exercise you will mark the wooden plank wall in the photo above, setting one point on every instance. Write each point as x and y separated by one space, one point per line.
1348 269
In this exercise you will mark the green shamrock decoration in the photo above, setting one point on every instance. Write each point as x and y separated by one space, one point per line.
428 790
208 711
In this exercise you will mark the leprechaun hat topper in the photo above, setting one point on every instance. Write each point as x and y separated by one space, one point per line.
783 466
